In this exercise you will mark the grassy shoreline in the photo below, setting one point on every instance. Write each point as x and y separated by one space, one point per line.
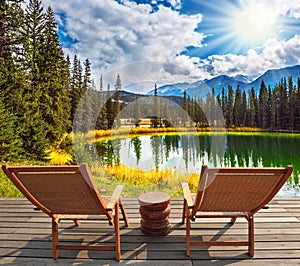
136 181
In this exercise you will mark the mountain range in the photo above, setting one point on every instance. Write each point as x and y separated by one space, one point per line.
202 87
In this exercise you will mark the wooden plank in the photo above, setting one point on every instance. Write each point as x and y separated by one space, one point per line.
25 238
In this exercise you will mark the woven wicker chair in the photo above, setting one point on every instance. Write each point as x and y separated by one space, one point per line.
231 193
68 193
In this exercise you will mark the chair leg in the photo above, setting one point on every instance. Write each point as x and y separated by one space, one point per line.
117 232
188 232
251 236
124 215
55 251
184 211
233 219
76 222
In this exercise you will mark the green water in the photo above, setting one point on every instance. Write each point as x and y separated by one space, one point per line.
187 153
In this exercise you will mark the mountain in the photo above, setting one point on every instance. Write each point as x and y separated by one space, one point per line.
274 76
202 87
176 89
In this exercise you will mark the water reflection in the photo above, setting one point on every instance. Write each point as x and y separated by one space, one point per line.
188 152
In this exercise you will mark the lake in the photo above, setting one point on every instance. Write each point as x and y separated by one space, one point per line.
186 153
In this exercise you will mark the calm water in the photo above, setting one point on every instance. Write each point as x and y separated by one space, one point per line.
187 153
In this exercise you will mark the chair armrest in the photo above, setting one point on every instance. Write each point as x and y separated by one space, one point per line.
115 197
187 195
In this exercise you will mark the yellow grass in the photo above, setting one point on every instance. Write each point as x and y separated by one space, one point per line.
135 176
59 157
137 181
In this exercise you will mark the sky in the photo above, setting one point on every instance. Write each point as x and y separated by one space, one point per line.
170 41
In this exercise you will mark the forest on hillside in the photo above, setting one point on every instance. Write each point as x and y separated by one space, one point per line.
45 94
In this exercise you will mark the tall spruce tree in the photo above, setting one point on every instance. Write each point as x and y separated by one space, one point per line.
263 111
291 103
10 143
77 91
237 114
252 108
86 99
33 128
117 105
109 109
273 113
297 104
102 116
229 107
54 101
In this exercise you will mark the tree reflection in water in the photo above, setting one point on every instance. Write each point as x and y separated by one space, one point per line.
188 152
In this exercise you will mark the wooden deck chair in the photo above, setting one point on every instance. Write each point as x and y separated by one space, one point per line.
232 193
68 193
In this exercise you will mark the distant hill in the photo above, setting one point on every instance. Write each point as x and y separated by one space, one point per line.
176 89
202 87
274 76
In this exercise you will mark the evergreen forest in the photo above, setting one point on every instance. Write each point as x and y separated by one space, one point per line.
45 94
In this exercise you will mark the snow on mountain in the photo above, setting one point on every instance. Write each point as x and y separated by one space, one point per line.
202 87
218 83
275 76
176 89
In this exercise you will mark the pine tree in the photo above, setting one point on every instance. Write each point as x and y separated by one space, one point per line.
54 81
33 33
291 103
11 75
237 114
33 128
102 116
184 105
229 107
156 119
263 111
273 113
117 105
10 143
243 110
77 91
297 106
282 107
109 109
88 120
252 108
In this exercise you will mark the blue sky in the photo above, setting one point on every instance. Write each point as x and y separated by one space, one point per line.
170 41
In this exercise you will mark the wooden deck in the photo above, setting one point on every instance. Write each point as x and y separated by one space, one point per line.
25 238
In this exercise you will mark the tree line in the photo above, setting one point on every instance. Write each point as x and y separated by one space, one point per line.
272 109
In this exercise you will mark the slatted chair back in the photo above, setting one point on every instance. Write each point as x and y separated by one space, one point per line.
238 189
59 189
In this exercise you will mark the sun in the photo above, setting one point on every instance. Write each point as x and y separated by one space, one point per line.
253 23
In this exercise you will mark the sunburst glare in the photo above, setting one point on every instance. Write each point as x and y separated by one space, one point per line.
237 26
253 23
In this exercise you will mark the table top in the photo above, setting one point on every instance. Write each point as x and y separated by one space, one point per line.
153 198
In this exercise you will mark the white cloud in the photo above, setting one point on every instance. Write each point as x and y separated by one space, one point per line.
112 34
175 3
145 45
280 7
275 54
